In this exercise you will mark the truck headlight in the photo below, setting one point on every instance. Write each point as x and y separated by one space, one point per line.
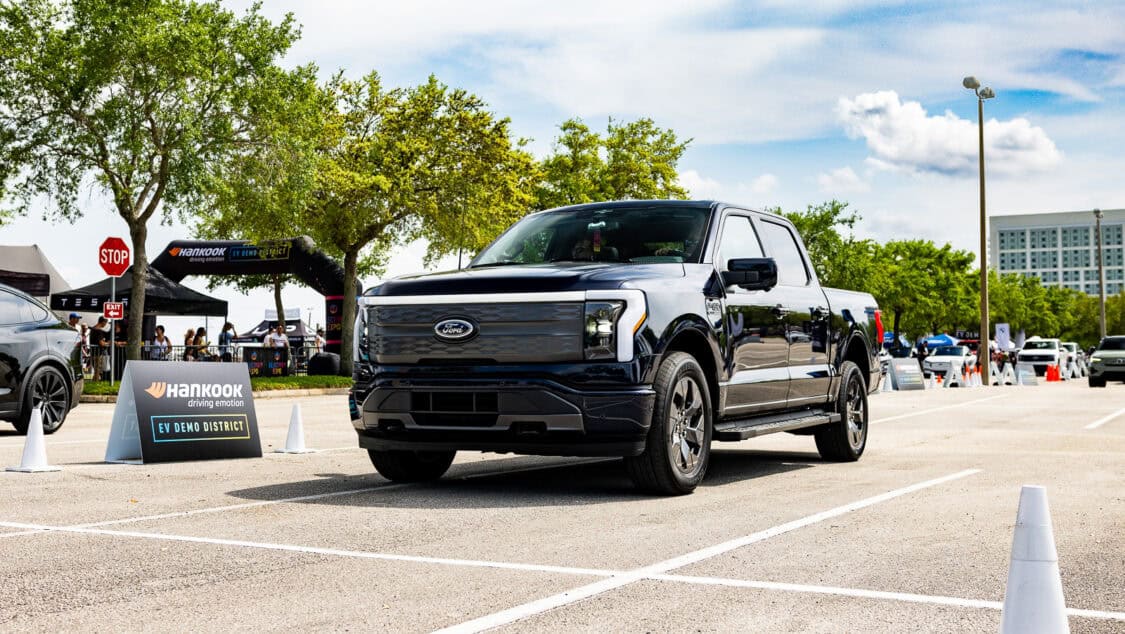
600 329
1095 359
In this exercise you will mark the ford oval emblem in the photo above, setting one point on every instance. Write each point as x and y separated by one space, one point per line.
455 330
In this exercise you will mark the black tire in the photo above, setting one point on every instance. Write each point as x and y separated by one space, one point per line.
1040 370
678 447
1096 382
845 440
411 466
46 386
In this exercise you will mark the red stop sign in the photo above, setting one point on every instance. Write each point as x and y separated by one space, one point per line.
113 256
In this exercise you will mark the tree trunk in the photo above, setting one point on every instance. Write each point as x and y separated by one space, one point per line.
347 320
139 233
894 331
277 283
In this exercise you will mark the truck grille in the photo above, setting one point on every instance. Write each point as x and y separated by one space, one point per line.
507 333
1037 357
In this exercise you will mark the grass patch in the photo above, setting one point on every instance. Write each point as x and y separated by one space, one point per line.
257 384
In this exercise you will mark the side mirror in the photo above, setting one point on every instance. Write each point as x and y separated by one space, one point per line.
753 274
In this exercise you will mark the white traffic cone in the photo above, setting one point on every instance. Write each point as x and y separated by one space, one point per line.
887 387
932 383
1033 599
295 441
34 448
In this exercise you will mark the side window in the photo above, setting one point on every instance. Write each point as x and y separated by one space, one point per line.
739 241
783 248
11 309
38 313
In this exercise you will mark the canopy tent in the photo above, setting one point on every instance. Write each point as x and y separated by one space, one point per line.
162 297
940 340
296 330
28 269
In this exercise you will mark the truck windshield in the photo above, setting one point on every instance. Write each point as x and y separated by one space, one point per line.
1112 343
1041 345
638 235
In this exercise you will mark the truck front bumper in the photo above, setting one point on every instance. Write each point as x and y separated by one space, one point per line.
527 416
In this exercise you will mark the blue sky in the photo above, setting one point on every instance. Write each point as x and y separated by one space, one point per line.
789 104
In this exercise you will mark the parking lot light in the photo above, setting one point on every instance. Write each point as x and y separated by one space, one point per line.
982 348
1101 272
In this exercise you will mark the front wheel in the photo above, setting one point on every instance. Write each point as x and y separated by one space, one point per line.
1096 382
678 447
411 466
845 440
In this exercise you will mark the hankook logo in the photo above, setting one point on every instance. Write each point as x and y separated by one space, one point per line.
197 252
160 389
454 330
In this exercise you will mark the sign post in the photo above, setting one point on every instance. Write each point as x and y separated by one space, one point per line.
113 257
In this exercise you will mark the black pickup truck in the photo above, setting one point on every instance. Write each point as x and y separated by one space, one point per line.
642 329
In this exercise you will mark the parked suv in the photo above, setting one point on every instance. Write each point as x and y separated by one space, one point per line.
1107 363
643 329
1040 353
40 362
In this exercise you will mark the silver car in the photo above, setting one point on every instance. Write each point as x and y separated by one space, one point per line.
944 358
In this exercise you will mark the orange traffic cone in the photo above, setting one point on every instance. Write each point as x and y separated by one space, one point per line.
939 379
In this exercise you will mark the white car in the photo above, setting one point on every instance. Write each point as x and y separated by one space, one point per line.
944 358
1040 353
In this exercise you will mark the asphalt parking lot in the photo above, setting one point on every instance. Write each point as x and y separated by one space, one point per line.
914 537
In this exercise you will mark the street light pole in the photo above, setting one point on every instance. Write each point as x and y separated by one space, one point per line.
1101 272
982 349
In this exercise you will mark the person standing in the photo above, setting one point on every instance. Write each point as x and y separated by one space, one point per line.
74 321
277 338
160 345
99 349
201 343
319 341
189 343
225 339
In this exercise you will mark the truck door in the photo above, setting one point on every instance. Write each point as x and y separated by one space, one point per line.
755 326
807 316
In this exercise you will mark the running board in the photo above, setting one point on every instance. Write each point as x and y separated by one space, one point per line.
742 429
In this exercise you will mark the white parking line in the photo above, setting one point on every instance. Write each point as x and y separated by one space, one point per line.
539 606
1105 419
938 409
313 550
871 594
51 443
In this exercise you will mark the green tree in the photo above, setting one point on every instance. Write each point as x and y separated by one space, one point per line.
258 192
635 160
398 164
923 286
135 97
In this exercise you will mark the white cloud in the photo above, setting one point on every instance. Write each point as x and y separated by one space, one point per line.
842 180
764 184
902 135
699 186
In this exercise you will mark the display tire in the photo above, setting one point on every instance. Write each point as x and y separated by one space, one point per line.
48 386
678 447
845 440
411 466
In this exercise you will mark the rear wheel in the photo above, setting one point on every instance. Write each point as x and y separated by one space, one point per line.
845 440
46 389
411 466
678 447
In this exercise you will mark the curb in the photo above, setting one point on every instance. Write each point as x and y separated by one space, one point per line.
267 394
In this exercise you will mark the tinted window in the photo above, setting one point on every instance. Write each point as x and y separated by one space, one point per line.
1112 343
1041 345
739 241
783 248
951 351
11 309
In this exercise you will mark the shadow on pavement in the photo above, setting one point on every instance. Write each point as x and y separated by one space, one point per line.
524 482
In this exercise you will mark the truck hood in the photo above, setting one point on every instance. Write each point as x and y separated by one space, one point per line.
528 278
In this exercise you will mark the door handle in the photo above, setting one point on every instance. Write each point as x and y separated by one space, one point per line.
779 311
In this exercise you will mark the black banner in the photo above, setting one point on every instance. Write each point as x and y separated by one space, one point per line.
266 361
168 411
